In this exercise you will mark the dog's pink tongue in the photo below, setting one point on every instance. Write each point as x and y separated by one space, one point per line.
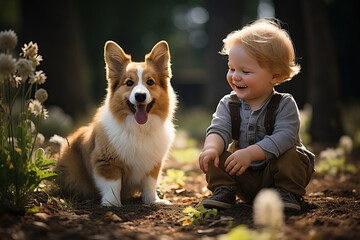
141 115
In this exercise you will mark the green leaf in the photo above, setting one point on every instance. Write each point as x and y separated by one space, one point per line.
45 175
201 208
211 213
45 163
34 209
190 210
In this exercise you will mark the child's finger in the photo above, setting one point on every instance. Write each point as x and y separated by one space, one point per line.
205 164
230 166
234 169
216 161
201 163
227 161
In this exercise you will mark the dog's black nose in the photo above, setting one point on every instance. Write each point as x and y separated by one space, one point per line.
140 97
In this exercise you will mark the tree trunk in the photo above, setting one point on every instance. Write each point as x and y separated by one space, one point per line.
323 88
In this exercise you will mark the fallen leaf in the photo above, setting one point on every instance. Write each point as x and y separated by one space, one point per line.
110 216
186 222
34 209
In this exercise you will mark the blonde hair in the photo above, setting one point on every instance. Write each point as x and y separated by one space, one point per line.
269 44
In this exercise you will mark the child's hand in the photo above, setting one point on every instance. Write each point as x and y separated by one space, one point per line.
238 162
206 156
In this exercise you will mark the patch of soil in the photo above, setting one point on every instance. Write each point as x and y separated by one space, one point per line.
331 211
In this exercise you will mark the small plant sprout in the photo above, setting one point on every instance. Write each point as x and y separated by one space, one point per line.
332 161
195 217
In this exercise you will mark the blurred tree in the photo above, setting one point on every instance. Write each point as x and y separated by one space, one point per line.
324 78
291 15
9 15
54 26
225 16
136 27
344 20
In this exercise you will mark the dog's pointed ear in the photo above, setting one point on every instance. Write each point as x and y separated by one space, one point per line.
160 56
115 58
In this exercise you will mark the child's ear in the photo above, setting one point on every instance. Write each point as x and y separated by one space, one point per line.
276 78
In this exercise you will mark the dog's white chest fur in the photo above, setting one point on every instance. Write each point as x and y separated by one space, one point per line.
141 147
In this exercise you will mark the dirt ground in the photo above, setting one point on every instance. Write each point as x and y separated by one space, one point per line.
331 211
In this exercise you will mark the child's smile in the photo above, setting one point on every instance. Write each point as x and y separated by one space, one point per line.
240 86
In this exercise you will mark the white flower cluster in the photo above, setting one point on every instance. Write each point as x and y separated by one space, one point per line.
17 72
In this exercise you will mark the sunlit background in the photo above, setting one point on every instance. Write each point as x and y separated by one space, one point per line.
71 36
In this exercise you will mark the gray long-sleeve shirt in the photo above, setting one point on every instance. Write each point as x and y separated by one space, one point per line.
252 129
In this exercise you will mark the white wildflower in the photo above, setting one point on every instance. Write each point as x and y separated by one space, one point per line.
8 40
45 113
37 59
40 139
35 107
24 68
56 143
331 153
39 77
30 50
41 95
16 81
346 143
268 209
7 65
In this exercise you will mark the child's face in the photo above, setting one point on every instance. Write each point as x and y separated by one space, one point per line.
250 81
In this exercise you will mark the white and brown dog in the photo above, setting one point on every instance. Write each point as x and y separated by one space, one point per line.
122 150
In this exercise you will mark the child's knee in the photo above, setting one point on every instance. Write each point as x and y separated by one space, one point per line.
293 158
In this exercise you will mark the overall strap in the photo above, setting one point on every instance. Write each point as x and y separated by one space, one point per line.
270 113
234 106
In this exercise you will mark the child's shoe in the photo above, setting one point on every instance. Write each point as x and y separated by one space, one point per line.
290 200
223 197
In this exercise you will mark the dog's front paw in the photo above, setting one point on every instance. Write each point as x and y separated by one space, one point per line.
154 199
107 203
162 202
110 201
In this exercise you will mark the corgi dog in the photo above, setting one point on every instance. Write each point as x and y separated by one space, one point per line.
121 152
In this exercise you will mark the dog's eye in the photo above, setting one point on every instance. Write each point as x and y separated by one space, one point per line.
129 83
150 82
